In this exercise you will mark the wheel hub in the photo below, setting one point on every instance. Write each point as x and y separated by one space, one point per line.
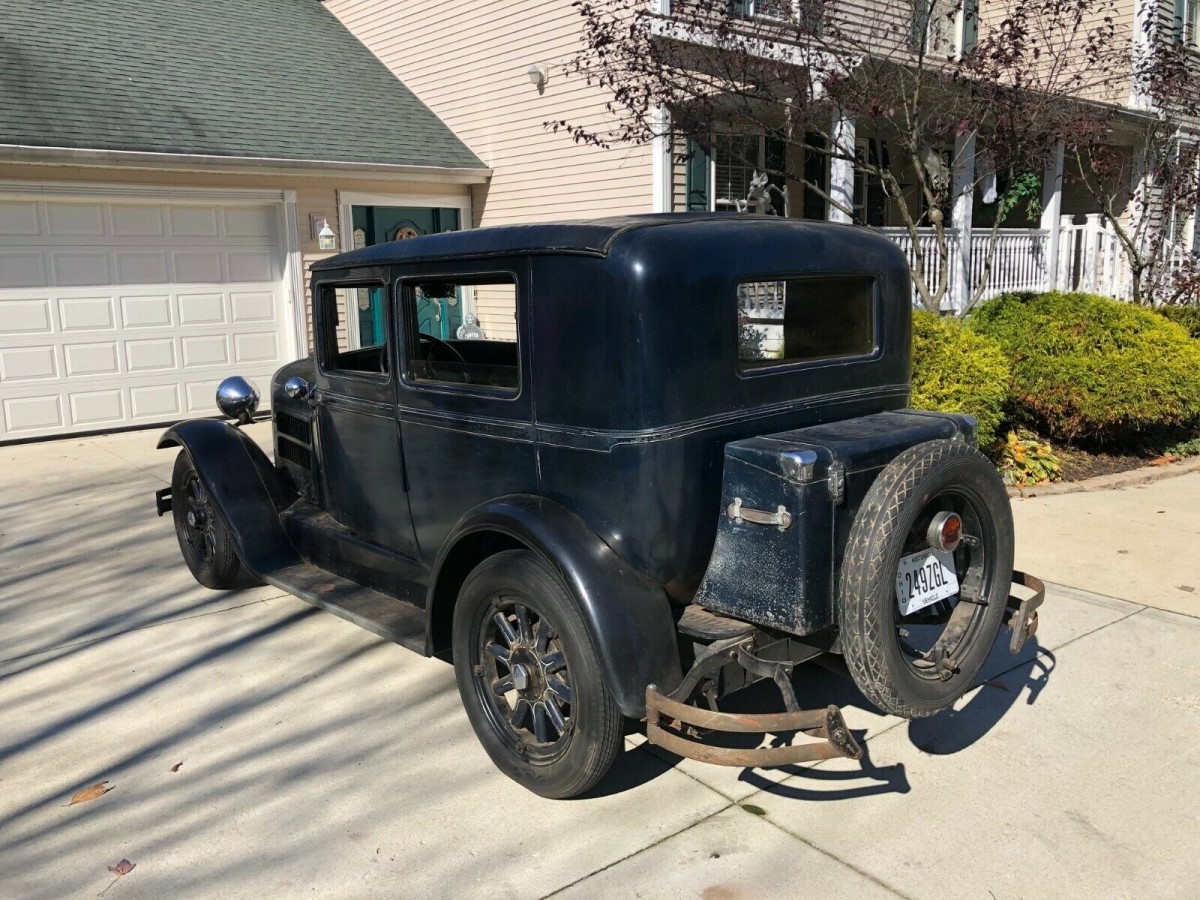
527 676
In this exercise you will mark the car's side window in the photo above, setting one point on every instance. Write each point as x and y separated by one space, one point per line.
463 331
354 335
797 320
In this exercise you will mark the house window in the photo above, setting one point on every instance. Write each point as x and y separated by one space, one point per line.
736 158
766 9
796 320
942 27
1191 23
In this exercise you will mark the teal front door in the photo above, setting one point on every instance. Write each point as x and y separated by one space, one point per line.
440 316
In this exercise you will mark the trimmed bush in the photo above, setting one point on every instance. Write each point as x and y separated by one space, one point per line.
1087 368
1187 316
956 370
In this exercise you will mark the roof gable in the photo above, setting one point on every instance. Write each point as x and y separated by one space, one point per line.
272 79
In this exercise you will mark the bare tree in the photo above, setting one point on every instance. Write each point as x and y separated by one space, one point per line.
1143 171
794 69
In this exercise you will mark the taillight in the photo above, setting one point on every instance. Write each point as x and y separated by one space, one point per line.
945 531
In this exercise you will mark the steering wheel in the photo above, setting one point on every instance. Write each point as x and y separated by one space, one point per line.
428 338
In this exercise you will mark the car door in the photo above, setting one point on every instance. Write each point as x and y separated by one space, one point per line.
465 400
362 474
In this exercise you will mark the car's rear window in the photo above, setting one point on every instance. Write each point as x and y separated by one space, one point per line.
796 320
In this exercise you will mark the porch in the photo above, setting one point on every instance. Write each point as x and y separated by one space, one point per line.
1081 256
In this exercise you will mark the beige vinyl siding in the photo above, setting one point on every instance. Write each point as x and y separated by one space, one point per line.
496 308
313 195
468 62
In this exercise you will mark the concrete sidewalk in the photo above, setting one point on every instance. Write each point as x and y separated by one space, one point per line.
319 760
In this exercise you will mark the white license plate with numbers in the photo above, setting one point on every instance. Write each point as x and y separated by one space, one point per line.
925 578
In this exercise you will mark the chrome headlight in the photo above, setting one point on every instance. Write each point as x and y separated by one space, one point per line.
237 397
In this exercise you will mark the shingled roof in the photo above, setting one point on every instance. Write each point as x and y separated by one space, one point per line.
268 79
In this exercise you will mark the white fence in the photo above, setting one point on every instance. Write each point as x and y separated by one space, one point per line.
1019 260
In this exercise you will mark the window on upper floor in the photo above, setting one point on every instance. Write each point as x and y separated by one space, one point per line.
943 27
1191 22
801 12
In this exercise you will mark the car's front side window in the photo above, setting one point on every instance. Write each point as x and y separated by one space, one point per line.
354 324
464 331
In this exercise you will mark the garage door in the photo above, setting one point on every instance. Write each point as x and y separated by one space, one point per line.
116 313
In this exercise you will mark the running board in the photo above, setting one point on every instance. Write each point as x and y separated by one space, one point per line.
386 616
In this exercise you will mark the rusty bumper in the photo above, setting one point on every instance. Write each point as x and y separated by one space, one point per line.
826 724
1021 615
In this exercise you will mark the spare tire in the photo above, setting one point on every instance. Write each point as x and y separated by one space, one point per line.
919 662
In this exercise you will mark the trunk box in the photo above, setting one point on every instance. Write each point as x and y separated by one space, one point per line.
788 502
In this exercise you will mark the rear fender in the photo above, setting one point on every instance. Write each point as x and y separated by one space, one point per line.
243 486
627 615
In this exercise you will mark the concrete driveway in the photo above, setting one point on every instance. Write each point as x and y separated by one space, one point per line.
257 747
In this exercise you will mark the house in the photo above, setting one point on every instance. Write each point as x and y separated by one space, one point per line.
168 171
499 75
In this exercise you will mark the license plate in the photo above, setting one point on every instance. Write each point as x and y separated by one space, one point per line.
924 578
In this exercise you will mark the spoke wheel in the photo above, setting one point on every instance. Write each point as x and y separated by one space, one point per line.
530 677
203 538
920 663
525 678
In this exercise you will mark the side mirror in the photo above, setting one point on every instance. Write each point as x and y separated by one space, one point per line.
296 387
237 397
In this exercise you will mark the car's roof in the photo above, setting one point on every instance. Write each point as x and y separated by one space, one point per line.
592 237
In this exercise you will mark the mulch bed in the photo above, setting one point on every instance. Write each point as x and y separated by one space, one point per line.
1080 464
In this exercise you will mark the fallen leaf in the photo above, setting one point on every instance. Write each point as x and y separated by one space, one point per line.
175 768
997 683
1165 460
1122 551
1191 589
99 789
124 867
754 810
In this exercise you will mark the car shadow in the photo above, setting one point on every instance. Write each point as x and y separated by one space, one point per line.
1003 681
958 728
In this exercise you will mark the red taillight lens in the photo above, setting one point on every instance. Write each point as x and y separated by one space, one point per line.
945 531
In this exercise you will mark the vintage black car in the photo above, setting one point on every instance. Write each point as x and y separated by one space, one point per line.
664 457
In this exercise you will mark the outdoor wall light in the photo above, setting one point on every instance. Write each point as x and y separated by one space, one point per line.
322 233
538 77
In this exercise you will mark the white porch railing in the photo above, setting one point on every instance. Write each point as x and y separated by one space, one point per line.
1019 261
932 263
1091 258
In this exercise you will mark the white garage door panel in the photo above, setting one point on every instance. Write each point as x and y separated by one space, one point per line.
118 313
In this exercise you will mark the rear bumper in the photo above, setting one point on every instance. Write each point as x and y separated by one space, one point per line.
1021 615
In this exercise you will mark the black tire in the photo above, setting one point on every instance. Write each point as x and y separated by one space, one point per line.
875 636
203 538
552 654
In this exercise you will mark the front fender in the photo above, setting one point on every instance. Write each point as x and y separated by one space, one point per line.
243 486
628 616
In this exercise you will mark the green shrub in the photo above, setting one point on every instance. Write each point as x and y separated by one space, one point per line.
956 370
1089 368
1187 316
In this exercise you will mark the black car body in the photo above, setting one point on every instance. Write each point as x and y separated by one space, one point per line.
684 451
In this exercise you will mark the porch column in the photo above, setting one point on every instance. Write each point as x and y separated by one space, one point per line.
1052 212
964 200
1091 244
841 171
661 162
